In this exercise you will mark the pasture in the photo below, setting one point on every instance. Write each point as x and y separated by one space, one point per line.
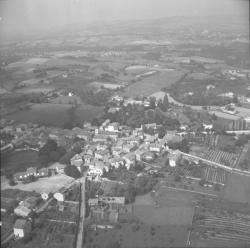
54 114
237 188
19 161
149 85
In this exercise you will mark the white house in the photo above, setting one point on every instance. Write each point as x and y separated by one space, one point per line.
77 161
117 162
21 228
173 158
129 160
207 126
155 148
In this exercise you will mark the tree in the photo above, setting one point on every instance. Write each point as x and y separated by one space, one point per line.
166 102
214 117
72 171
54 156
12 182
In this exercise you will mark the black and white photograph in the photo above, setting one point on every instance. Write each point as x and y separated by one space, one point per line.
125 123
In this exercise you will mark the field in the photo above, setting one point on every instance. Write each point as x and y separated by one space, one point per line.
238 188
165 225
213 227
220 157
19 161
149 85
50 184
54 114
49 234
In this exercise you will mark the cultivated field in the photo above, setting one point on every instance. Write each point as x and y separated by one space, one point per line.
220 157
149 85
220 228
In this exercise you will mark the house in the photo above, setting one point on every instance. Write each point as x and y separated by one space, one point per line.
91 150
43 172
113 127
173 157
57 167
59 196
77 161
87 158
139 154
155 147
113 202
93 202
100 138
97 168
129 147
207 126
30 202
20 176
116 162
102 154
101 147
22 211
148 156
31 171
129 160
22 227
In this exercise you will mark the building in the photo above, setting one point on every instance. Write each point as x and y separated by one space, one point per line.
20 176
22 211
77 161
129 160
174 156
21 228
117 162
57 167
43 172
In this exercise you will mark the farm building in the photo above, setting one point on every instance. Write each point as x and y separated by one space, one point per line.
22 211
22 228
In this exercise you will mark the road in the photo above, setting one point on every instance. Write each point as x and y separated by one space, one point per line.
80 235
41 208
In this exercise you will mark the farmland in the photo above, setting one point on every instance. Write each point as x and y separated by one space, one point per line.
238 188
220 157
220 228
54 114
148 225
152 84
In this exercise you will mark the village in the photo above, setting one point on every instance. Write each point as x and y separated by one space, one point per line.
119 163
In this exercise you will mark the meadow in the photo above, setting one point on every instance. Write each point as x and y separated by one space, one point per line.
54 114
149 226
19 161
238 188
149 85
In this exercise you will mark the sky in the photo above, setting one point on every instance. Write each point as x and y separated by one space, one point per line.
20 16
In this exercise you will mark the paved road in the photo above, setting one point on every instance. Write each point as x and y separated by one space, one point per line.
80 235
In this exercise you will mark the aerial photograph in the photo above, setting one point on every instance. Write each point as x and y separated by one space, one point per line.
125 123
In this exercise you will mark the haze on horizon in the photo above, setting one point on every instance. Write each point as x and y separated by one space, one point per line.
27 16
